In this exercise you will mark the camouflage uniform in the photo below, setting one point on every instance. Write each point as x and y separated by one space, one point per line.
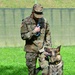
34 43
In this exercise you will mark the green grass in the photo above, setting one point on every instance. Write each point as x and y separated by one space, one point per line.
68 55
12 61
29 3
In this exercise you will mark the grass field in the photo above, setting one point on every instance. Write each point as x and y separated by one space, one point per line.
12 61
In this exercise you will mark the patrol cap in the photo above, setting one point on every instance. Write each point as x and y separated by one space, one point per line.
38 10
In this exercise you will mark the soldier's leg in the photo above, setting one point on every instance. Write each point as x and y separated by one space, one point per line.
44 64
31 59
45 70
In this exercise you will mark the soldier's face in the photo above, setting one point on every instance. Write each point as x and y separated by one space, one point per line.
35 17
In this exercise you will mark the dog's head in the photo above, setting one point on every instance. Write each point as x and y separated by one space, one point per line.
54 53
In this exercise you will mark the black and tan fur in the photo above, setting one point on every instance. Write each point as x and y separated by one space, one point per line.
55 61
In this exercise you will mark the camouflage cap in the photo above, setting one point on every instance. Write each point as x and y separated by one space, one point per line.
38 10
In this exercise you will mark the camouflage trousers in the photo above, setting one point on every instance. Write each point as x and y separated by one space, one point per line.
43 63
31 59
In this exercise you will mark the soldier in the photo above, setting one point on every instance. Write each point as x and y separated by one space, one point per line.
35 31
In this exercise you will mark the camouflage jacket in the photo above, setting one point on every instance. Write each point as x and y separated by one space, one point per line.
33 42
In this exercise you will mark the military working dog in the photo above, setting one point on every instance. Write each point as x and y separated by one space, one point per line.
55 61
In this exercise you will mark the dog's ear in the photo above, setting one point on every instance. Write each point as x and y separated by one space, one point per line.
59 48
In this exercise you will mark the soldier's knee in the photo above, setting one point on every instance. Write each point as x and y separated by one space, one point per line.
45 70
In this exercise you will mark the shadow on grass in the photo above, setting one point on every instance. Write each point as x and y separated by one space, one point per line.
10 70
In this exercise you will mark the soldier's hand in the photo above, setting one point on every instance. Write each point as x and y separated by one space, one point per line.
37 29
46 53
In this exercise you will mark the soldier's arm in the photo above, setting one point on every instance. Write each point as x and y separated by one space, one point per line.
25 33
48 42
